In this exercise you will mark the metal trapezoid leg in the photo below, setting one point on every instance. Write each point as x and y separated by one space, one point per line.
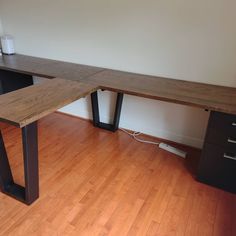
30 151
30 192
96 116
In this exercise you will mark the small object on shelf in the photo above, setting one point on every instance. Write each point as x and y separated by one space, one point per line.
7 42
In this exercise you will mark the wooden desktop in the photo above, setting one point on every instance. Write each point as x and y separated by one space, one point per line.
23 103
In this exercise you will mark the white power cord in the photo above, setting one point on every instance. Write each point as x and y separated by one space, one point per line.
160 145
135 134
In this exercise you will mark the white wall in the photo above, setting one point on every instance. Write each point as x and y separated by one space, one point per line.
190 40
1 28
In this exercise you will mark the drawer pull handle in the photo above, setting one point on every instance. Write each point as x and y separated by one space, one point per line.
230 157
234 124
230 140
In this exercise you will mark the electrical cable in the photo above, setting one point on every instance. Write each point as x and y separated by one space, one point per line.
134 136
163 146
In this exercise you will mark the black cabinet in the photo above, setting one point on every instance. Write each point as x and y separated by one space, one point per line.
218 161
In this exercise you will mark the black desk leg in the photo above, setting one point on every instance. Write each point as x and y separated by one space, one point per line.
30 151
96 117
30 192
6 179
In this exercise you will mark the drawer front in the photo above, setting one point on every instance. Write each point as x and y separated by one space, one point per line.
222 130
222 121
218 167
223 138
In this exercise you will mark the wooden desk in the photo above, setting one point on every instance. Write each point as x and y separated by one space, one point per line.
24 107
206 96
27 105
47 68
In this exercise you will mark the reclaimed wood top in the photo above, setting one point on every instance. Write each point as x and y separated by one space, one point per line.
206 96
24 106
27 105
46 68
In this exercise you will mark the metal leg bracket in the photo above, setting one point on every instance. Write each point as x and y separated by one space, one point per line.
96 117
30 192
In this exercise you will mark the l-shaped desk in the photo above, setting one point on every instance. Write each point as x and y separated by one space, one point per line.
23 104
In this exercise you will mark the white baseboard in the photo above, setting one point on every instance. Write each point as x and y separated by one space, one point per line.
152 131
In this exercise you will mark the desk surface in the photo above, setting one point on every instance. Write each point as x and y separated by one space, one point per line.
24 106
206 96
212 97
47 68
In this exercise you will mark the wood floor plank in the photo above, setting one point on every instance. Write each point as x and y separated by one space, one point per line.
94 182
226 207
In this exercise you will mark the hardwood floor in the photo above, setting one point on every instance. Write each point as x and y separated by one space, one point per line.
94 182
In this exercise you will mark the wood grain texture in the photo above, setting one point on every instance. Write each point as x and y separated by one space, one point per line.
24 106
46 68
212 97
95 182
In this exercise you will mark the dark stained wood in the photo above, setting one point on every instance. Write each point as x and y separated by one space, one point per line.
212 97
27 105
46 68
